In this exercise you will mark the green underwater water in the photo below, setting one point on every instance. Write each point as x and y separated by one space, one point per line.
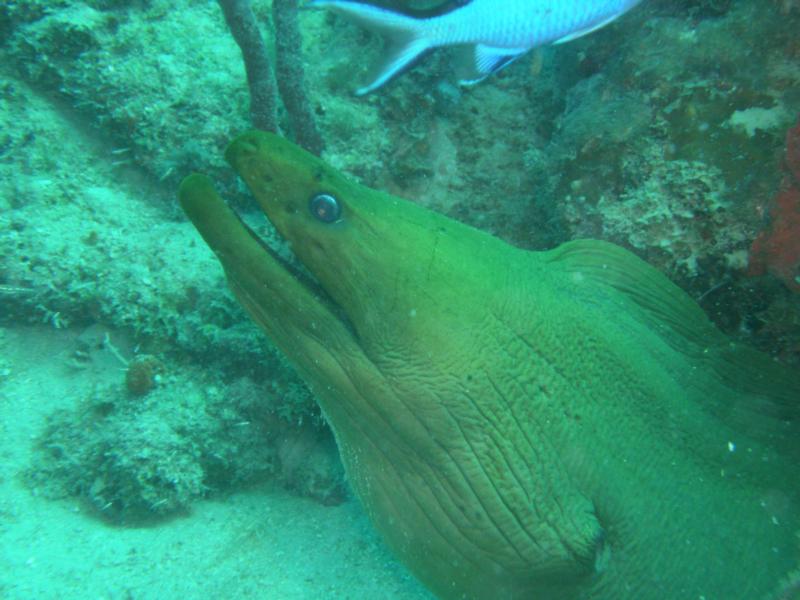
667 133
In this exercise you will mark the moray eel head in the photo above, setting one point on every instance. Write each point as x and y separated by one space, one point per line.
518 425
393 269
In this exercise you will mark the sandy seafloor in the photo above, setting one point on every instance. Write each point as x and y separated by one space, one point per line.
65 181
260 543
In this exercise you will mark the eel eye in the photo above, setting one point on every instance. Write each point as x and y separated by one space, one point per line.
325 207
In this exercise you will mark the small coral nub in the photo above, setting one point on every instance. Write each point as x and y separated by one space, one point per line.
142 374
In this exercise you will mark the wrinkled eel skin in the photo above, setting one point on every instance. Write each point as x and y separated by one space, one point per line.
519 425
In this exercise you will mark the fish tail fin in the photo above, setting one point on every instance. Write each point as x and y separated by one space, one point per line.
405 34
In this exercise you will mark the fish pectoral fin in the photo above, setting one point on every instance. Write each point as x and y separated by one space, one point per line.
477 62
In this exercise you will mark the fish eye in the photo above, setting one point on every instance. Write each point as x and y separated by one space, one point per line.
325 207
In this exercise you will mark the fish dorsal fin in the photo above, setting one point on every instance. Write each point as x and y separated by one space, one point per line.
476 63
747 389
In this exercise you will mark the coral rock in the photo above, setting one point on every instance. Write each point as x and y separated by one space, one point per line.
777 249
793 153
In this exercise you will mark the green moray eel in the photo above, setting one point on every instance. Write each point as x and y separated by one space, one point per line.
518 425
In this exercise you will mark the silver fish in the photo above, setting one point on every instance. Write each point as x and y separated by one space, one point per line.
494 32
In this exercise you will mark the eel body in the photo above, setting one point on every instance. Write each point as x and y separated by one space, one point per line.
518 425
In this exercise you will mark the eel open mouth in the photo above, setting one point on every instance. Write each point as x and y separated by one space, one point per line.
294 266
282 288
